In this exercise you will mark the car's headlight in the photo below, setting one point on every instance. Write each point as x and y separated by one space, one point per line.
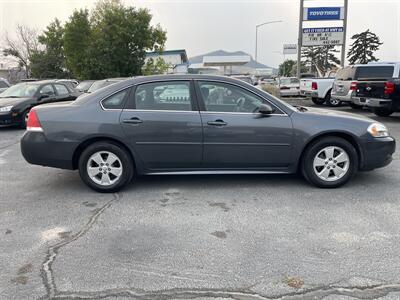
378 130
5 108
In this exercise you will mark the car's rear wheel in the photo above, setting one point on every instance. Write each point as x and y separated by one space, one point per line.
330 162
318 101
105 167
331 101
356 106
383 112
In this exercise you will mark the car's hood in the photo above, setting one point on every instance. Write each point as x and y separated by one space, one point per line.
12 101
337 113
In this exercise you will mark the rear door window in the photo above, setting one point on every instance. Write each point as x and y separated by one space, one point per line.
374 72
61 89
174 95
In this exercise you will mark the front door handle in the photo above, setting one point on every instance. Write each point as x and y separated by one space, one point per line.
217 123
133 120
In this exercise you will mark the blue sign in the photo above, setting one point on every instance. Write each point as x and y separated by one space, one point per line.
323 13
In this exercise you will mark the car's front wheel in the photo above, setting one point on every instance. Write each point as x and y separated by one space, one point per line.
330 162
24 119
105 167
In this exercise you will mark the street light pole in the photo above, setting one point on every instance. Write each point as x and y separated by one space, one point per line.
257 26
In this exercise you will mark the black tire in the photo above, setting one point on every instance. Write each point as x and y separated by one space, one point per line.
318 101
307 164
383 112
356 106
124 158
24 119
330 101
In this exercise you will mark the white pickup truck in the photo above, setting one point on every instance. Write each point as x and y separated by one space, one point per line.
319 89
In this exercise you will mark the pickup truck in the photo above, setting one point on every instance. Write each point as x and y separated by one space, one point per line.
319 89
382 92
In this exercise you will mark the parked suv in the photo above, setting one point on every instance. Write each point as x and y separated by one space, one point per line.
379 87
345 86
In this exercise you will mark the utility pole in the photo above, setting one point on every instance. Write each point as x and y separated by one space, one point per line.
300 39
257 26
344 33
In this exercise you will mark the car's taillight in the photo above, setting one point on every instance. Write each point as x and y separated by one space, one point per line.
389 88
33 123
353 86
314 86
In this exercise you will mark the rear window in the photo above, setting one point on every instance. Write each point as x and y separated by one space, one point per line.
3 84
374 72
346 74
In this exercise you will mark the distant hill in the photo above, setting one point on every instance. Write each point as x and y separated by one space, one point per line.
199 59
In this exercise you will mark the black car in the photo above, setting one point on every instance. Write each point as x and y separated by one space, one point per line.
18 100
199 124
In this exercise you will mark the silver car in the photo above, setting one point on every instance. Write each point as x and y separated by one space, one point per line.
345 86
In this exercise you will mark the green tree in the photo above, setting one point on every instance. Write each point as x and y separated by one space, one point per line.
363 48
285 68
77 44
50 62
117 40
155 66
320 59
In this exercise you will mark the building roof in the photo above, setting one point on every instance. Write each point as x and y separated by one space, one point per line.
181 52
252 63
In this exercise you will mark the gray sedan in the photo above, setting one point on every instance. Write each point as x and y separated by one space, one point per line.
198 124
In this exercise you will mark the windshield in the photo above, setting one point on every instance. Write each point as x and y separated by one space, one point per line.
20 90
100 84
84 86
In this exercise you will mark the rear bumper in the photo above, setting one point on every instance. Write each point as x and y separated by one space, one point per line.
375 102
342 98
37 150
289 92
377 153
313 94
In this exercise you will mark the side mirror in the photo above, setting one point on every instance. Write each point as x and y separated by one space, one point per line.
265 109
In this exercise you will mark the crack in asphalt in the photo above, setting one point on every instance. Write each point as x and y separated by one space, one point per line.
47 271
316 293
358 292
10 145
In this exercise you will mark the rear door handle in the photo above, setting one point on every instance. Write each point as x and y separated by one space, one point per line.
217 123
133 120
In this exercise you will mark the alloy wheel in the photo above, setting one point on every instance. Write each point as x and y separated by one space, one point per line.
104 168
331 163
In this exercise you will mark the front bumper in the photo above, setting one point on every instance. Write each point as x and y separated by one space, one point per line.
38 150
377 152
9 118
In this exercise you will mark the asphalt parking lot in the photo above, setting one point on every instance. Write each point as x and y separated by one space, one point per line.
197 237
